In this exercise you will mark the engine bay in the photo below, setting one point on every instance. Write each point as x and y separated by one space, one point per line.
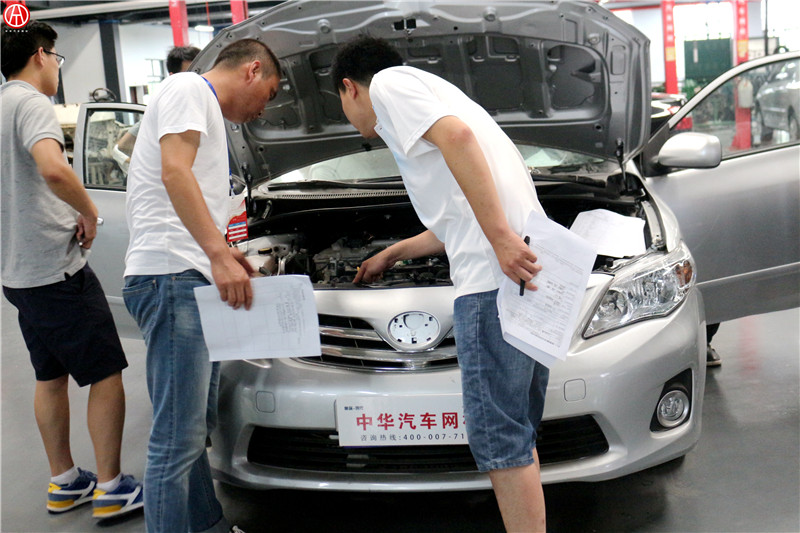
327 237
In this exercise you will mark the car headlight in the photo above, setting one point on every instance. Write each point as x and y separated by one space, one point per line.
651 287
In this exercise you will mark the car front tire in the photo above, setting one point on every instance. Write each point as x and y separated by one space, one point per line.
794 127
760 133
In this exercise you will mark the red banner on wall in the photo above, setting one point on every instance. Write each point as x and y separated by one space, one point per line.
670 66
740 30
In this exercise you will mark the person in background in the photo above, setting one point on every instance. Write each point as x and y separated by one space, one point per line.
48 225
472 190
177 211
179 59
712 357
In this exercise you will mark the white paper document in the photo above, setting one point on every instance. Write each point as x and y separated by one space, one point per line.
282 322
541 323
610 233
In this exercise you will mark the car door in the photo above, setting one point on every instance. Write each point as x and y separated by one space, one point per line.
741 220
103 143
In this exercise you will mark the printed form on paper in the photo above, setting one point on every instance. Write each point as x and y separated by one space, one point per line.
282 322
541 323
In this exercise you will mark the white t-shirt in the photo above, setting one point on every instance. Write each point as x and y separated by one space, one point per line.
159 242
407 102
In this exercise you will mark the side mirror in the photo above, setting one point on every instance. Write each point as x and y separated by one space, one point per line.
691 150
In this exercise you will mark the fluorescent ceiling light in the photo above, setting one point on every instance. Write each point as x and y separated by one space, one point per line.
207 29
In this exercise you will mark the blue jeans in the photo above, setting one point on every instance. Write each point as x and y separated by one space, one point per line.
183 385
502 388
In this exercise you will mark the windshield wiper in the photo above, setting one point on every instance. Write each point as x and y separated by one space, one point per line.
383 179
570 178
564 169
371 183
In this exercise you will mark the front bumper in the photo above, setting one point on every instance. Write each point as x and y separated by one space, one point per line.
609 384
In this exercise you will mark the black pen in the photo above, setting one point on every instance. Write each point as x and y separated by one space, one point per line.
521 281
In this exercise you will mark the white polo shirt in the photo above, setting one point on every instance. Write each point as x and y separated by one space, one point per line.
159 242
407 102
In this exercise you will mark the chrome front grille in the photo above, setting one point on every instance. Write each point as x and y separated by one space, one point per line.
352 343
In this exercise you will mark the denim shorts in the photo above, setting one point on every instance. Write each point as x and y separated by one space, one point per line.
503 389
68 329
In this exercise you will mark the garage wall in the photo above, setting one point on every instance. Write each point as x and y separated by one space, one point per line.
695 22
83 69
142 43
648 21
784 20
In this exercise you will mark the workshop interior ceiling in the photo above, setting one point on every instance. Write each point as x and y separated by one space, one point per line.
137 11
214 13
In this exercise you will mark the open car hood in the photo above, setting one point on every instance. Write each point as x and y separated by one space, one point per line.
562 74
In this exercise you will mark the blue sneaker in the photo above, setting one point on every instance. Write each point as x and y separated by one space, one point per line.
62 498
124 499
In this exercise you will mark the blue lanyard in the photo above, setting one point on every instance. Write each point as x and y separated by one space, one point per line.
211 87
230 192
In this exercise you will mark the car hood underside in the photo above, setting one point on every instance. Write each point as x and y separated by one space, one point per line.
563 74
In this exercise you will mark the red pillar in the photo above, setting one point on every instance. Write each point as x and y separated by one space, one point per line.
670 66
740 30
238 10
179 20
743 95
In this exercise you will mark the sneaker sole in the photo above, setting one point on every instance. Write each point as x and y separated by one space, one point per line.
115 510
59 507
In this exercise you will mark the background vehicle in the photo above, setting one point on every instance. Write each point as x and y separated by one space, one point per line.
777 102
629 395
663 106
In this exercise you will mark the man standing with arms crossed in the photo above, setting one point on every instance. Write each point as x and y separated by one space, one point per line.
177 210
48 225
471 188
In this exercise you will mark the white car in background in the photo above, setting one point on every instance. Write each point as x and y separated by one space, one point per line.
569 82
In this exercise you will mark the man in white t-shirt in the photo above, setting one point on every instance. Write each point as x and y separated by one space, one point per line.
471 188
177 206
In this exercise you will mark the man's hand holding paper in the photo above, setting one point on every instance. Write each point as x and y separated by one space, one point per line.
282 321
541 323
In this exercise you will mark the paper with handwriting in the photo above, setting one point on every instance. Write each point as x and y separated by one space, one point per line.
282 322
610 233
541 323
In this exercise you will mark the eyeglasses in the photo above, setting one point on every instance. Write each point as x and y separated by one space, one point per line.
59 57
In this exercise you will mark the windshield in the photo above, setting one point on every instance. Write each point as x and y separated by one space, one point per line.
379 165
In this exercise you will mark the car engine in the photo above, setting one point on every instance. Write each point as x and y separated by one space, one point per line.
337 264
327 238
328 242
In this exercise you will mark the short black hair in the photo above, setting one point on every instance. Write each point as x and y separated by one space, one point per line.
19 45
246 50
362 58
178 55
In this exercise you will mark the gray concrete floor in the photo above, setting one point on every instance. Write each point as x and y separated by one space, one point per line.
743 476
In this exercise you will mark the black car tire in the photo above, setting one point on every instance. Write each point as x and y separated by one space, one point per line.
794 127
761 133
